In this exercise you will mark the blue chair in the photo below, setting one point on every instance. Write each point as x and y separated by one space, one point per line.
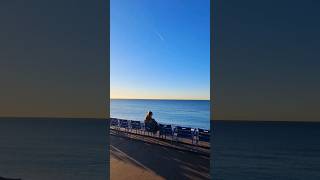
161 129
124 124
165 130
184 132
136 125
148 129
114 122
203 135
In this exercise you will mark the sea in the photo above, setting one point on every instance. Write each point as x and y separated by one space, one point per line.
190 113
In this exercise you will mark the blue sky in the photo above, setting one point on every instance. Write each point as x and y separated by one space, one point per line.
160 49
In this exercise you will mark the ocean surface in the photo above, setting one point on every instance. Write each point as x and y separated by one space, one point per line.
266 150
192 113
53 149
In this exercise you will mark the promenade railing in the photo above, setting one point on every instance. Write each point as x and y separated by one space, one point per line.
196 136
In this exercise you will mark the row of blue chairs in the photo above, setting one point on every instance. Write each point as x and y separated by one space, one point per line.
194 134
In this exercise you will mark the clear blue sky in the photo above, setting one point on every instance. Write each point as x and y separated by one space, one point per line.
160 49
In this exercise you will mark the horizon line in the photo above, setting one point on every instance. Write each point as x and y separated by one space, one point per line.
160 99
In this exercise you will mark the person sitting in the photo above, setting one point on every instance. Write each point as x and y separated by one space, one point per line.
150 123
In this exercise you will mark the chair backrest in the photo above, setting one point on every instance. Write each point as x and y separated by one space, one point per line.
184 132
204 135
135 124
165 129
124 123
114 122
148 127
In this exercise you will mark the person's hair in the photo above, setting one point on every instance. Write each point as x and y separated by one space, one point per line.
148 116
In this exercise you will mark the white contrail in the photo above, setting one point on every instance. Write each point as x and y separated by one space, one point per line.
160 36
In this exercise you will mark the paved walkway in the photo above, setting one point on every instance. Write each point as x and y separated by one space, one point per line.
136 159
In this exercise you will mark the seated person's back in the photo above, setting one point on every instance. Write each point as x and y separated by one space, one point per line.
150 123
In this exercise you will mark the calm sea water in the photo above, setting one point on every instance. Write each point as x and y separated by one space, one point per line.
266 150
193 113
53 149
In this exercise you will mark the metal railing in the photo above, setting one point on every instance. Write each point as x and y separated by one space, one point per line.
177 133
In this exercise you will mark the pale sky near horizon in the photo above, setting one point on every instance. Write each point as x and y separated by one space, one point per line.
160 49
